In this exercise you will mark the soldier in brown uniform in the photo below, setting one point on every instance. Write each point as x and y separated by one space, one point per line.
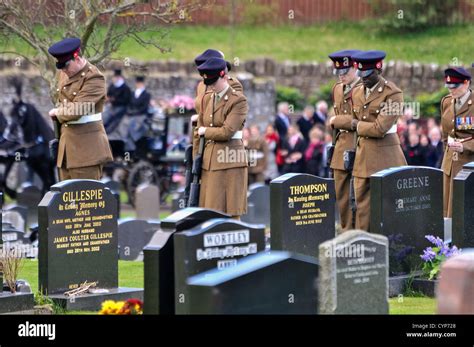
345 137
83 145
258 152
377 104
221 120
457 122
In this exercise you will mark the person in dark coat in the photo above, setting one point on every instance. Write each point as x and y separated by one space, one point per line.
434 155
306 122
34 136
293 150
118 95
415 153
282 120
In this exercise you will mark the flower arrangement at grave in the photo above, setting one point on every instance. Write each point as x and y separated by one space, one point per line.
128 307
180 104
433 257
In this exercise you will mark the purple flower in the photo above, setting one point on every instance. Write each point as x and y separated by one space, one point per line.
435 240
453 251
428 254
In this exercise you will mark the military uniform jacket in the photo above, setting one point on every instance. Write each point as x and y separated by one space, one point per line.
449 120
86 144
201 90
222 122
343 121
377 150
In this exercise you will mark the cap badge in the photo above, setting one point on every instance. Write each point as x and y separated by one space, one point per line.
378 65
448 79
204 75
360 65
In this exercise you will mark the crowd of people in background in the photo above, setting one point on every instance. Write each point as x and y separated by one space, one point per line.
297 143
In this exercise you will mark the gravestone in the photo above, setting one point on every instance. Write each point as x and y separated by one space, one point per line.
114 186
147 201
159 258
354 274
455 294
178 201
217 243
406 204
256 286
9 302
133 236
258 201
15 219
29 196
463 207
21 210
302 213
78 244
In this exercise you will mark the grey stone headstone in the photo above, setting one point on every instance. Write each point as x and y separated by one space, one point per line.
217 243
15 219
29 196
406 204
302 210
256 285
147 201
258 200
159 258
354 274
133 236
22 210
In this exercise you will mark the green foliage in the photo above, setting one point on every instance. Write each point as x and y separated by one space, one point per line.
323 93
430 103
254 13
414 15
293 96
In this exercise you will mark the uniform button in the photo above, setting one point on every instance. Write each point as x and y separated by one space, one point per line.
334 106
345 111
57 90
453 121
83 74
65 100
210 115
345 101
74 93
212 124
64 87
364 117
65 125
365 106
377 111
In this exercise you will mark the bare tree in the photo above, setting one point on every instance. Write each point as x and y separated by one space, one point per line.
39 23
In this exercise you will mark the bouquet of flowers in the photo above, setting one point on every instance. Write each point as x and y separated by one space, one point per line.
180 104
435 256
129 307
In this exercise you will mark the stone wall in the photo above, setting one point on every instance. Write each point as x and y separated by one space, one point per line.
259 77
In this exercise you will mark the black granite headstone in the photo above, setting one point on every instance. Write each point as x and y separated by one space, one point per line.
133 236
266 283
258 201
463 209
217 243
406 204
78 244
159 258
302 213
354 274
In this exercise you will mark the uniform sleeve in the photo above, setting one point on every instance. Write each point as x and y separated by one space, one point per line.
92 91
384 121
232 123
343 122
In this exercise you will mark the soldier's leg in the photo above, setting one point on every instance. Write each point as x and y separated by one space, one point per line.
447 196
362 196
342 180
89 172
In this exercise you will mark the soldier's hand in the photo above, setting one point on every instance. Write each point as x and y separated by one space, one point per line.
53 112
194 118
201 131
456 146
331 121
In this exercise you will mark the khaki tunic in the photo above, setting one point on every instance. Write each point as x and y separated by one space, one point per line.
344 141
225 162
454 161
376 150
258 150
82 145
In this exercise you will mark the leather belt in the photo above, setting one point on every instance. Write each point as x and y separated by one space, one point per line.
87 119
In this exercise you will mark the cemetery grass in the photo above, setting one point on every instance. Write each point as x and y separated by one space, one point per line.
131 275
298 43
